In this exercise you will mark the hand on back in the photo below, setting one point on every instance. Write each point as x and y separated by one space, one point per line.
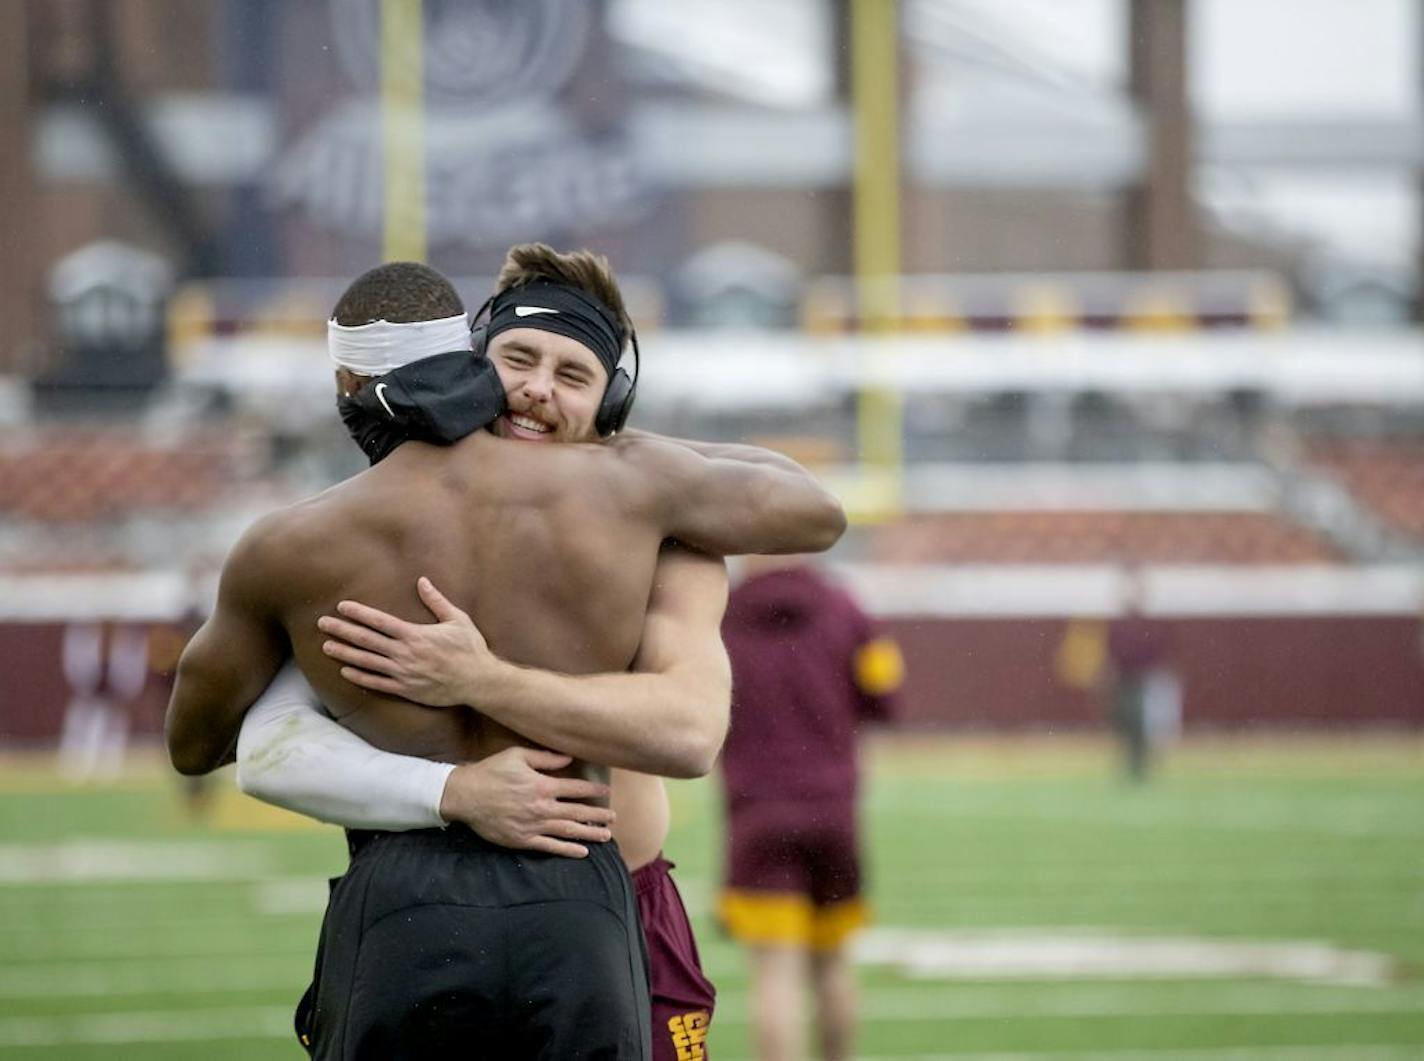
510 799
438 664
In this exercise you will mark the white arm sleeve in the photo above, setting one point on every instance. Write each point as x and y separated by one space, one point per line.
292 755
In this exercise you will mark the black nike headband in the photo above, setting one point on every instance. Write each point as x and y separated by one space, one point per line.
560 309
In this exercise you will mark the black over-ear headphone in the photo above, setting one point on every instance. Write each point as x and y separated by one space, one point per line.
618 396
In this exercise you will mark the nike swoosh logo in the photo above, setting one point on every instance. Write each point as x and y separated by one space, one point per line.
529 311
382 399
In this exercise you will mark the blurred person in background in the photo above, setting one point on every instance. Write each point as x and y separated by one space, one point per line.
106 664
808 668
1141 689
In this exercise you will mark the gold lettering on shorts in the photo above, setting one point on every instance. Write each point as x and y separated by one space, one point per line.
689 1032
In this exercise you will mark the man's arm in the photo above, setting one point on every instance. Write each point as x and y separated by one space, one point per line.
669 717
732 499
228 662
292 755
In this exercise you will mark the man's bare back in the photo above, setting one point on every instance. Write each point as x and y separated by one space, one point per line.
551 550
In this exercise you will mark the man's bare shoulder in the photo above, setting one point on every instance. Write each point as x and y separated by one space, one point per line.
282 542
581 467
639 472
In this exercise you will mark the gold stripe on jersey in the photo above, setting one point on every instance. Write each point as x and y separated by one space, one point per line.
879 667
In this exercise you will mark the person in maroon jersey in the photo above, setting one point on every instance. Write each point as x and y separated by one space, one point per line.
1138 678
808 667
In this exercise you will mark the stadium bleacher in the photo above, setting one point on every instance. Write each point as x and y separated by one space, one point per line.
1386 476
65 473
1013 537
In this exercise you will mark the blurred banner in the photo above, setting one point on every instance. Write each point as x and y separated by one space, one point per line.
526 129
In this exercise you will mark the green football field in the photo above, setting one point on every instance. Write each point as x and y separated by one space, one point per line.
1260 898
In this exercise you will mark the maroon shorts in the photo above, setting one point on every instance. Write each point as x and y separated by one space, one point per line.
683 998
793 873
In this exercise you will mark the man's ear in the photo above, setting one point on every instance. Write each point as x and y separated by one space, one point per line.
349 383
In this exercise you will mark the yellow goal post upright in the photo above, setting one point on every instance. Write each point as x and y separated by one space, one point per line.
875 99
403 130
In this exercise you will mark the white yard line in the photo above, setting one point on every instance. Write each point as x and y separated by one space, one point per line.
290 895
105 906
1026 955
160 1026
906 1007
97 946
150 976
83 860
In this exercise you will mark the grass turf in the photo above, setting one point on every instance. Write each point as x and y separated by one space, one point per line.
129 931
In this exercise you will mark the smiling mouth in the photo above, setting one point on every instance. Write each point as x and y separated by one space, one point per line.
527 427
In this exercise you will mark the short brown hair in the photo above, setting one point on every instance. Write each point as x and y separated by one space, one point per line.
399 292
589 272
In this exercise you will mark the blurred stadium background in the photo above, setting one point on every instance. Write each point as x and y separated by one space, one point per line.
1062 296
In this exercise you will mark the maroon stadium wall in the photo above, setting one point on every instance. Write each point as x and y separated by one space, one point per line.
988 673
1235 672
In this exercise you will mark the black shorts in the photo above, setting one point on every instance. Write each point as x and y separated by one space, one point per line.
438 944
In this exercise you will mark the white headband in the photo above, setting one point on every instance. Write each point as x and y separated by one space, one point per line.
377 348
